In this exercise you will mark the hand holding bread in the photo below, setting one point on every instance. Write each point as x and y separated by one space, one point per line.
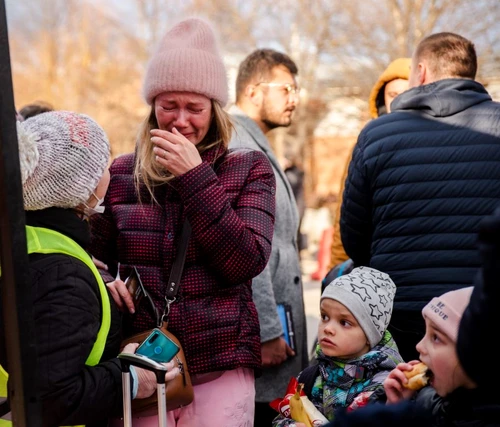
404 380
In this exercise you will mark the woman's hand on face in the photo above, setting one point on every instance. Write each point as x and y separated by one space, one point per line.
121 295
394 384
174 151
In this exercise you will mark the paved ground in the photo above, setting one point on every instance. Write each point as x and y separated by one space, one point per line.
315 221
312 293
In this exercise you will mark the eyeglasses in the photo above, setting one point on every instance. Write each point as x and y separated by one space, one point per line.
289 88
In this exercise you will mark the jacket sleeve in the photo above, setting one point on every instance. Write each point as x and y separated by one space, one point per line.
67 315
405 413
266 305
427 401
235 239
338 254
473 336
355 216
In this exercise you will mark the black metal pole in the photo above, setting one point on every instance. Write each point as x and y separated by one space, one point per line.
17 310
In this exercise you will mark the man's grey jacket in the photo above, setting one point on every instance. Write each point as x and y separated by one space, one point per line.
281 281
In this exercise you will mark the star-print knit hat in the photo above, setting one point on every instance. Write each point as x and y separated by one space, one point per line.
369 296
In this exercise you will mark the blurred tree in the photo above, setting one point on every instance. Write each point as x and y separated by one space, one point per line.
61 58
236 20
90 56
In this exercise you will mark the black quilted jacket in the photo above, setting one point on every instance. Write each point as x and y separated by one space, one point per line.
462 408
67 315
420 181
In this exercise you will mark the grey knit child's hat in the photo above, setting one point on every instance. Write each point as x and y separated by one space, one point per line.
369 295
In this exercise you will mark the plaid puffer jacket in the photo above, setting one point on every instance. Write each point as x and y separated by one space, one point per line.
230 207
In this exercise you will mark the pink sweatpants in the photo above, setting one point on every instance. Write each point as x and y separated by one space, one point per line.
227 401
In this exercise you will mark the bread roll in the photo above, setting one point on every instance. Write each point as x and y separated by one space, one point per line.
418 377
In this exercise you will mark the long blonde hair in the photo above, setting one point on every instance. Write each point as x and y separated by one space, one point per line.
148 172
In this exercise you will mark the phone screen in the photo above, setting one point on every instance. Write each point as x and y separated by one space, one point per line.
158 347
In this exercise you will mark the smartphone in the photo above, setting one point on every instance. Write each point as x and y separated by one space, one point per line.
138 291
135 286
158 347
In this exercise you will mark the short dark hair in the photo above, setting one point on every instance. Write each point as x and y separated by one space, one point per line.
35 108
448 55
259 65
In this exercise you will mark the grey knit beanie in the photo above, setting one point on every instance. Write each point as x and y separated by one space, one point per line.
369 296
63 156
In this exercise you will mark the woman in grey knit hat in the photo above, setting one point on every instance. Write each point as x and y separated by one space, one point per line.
64 158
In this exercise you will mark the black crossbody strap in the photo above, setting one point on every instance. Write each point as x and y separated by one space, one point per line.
178 266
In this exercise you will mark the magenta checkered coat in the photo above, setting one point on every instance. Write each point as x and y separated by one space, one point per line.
231 212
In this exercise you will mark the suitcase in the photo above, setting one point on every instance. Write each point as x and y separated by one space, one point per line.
143 362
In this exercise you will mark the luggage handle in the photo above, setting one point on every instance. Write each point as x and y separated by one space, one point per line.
143 362
160 370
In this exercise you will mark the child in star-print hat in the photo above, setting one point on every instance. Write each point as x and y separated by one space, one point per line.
368 294
355 353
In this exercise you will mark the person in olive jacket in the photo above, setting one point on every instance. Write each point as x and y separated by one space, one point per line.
392 82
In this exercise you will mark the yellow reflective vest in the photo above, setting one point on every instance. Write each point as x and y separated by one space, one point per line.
46 241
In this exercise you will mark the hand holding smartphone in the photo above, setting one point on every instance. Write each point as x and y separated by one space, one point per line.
135 286
158 347
138 292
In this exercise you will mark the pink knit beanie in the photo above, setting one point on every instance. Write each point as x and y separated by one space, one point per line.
446 311
187 59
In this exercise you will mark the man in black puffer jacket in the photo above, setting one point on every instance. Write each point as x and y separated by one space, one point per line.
481 405
420 181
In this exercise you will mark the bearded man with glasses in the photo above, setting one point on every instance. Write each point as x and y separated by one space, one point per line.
266 97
